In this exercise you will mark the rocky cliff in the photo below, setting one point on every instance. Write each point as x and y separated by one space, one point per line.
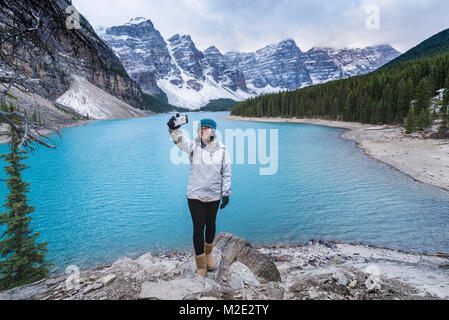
57 52
316 270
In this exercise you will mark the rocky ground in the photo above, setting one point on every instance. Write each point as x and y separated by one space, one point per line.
316 270
424 159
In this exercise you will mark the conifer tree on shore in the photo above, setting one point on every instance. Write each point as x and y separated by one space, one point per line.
410 123
22 259
424 121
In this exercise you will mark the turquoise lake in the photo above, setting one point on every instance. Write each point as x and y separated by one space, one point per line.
110 190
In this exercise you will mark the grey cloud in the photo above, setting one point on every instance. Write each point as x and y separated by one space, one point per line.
244 25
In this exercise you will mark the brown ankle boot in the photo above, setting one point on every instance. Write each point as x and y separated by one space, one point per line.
209 256
201 264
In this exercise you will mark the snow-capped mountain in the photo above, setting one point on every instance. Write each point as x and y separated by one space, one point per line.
283 66
328 64
143 52
188 77
278 66
191 78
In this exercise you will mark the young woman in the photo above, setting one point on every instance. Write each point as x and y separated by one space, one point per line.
209 182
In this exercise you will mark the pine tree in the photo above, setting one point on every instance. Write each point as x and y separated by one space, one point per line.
410 123
443 128
389 108
444 107
423 121
422 96
23 259
405 96
380 113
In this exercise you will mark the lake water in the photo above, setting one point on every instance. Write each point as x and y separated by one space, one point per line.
110 190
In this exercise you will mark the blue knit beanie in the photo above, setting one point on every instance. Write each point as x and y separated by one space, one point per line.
209 123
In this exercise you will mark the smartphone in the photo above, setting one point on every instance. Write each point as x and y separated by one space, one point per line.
180 120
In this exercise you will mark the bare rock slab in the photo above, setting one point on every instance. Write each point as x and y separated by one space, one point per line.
177 289
234 248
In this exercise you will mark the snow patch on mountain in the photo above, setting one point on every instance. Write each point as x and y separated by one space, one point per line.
137 20
89 100
265 90
187 97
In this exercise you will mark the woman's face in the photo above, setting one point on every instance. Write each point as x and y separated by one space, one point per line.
205 132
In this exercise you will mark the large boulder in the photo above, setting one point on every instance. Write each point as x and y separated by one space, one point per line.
234 248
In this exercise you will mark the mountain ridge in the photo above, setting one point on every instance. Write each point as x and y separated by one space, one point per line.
436 44
397 94
191 77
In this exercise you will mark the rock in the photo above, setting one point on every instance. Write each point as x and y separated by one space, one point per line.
126 266
88 289
108 279
340 278
234 248
208 298
328 244
313 294
146 258
211 287
93 277
177 289
241 274
97 285
155 271
284 258
353 283
55 281
372 284
64 285
33 291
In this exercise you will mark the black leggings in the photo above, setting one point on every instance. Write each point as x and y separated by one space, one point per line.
203 215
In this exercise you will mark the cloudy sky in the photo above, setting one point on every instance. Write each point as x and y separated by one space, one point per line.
247 25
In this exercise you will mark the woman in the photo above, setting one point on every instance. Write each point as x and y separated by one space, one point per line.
209 182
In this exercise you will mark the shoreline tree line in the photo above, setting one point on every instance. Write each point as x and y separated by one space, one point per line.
389 95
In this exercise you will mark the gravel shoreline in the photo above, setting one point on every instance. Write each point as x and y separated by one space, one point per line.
424 160
317 270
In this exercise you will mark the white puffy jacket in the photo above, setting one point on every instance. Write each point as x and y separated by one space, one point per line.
210 167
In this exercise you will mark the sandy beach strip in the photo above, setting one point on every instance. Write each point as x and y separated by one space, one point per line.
425 160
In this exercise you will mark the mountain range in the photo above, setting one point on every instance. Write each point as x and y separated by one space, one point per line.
175 71
137 66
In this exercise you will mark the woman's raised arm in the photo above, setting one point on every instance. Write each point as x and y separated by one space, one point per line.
180 140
